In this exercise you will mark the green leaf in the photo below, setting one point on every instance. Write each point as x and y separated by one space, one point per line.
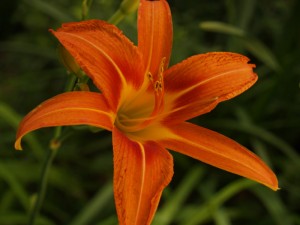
13 119
13 218
50 9
221 217
262 134
274 205
170 209
253 45
262 52
220 27
97 203
201 214
15 185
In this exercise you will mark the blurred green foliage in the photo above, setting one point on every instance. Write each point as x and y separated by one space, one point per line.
266 118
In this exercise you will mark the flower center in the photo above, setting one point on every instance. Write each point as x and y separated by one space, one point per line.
135 112
141 107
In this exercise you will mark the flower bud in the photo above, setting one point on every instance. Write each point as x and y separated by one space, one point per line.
83 87
68 61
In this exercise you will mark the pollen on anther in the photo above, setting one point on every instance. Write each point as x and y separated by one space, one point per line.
162 65
150 77
158 86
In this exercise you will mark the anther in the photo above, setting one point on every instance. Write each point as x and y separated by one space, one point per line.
158 86
162 66
150 77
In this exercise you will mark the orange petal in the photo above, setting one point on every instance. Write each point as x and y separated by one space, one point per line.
71 108
219 151
196 85
105 54
155 33
141 172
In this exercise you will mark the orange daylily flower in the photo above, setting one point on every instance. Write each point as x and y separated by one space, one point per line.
145 105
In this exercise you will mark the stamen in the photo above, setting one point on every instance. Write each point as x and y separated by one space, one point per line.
144 116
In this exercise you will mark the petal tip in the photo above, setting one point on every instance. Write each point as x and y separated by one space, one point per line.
274 185
270 180
18 146
52 31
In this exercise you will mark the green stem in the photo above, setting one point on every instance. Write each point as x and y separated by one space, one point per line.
127 7
85 6
71 84
43 185
116 17
54 146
